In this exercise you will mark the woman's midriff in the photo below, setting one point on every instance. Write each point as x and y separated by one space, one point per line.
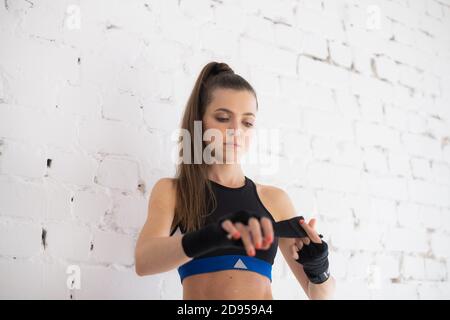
227 285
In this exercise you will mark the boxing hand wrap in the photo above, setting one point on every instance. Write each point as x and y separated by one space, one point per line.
213 236
290 228
313 257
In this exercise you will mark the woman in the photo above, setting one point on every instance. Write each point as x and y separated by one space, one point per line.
226 223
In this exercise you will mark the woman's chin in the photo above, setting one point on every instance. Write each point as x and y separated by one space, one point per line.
232 158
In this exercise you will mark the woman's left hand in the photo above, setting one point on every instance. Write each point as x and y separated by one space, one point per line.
312 253
312 236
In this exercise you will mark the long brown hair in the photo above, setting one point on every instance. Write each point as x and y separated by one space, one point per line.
191 180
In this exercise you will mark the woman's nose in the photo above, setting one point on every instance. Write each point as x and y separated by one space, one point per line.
235 128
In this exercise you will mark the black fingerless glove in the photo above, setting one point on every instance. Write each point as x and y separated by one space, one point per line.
314 258
213 236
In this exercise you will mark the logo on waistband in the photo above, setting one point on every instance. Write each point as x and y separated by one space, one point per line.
240 264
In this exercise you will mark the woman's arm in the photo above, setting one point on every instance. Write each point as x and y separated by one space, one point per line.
322 291
285 245
156 251
279 203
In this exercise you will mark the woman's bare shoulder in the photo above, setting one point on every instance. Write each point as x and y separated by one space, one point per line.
276 200
164 189
165 183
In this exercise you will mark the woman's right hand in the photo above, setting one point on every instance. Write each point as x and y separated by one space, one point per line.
257 234
249 230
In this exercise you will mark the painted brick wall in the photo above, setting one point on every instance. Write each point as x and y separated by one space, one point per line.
90 92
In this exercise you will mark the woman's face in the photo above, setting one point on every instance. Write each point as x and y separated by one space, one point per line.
235 111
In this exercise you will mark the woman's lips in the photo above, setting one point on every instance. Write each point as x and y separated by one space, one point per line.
232 144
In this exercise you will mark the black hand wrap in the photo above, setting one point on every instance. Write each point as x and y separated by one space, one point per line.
290 229
313 257
213 236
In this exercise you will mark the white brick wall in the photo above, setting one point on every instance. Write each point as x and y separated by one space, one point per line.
363 109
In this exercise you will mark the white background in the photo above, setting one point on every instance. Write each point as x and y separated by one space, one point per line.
360 91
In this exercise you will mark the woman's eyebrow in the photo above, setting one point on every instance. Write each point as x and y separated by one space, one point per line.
229 111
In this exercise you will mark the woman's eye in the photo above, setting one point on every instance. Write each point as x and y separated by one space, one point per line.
222 119
248 124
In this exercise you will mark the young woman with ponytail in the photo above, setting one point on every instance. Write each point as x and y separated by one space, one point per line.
219 228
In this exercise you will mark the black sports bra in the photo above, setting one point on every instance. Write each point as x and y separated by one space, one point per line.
231 200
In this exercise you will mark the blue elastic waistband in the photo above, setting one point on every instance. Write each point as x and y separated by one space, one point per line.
226 262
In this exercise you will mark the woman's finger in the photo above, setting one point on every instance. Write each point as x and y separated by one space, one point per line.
268 236
246 238
228 226
294 251
299 243
305 240
313 223
255 231
310 231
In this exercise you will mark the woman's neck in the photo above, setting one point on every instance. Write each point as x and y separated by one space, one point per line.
226 174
